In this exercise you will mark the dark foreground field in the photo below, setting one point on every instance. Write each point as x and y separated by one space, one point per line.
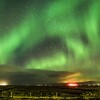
49 93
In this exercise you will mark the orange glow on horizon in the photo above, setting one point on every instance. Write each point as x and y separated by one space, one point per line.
3 83
72 84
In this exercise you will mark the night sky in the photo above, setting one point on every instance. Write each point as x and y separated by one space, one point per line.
48 41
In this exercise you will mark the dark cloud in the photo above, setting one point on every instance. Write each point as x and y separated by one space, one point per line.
17 76
58 74
21 76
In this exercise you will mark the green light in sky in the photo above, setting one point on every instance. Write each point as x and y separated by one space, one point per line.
76 25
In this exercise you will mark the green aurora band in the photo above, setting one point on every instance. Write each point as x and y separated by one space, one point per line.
75 22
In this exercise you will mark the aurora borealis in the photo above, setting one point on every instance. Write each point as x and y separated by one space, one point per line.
50 35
